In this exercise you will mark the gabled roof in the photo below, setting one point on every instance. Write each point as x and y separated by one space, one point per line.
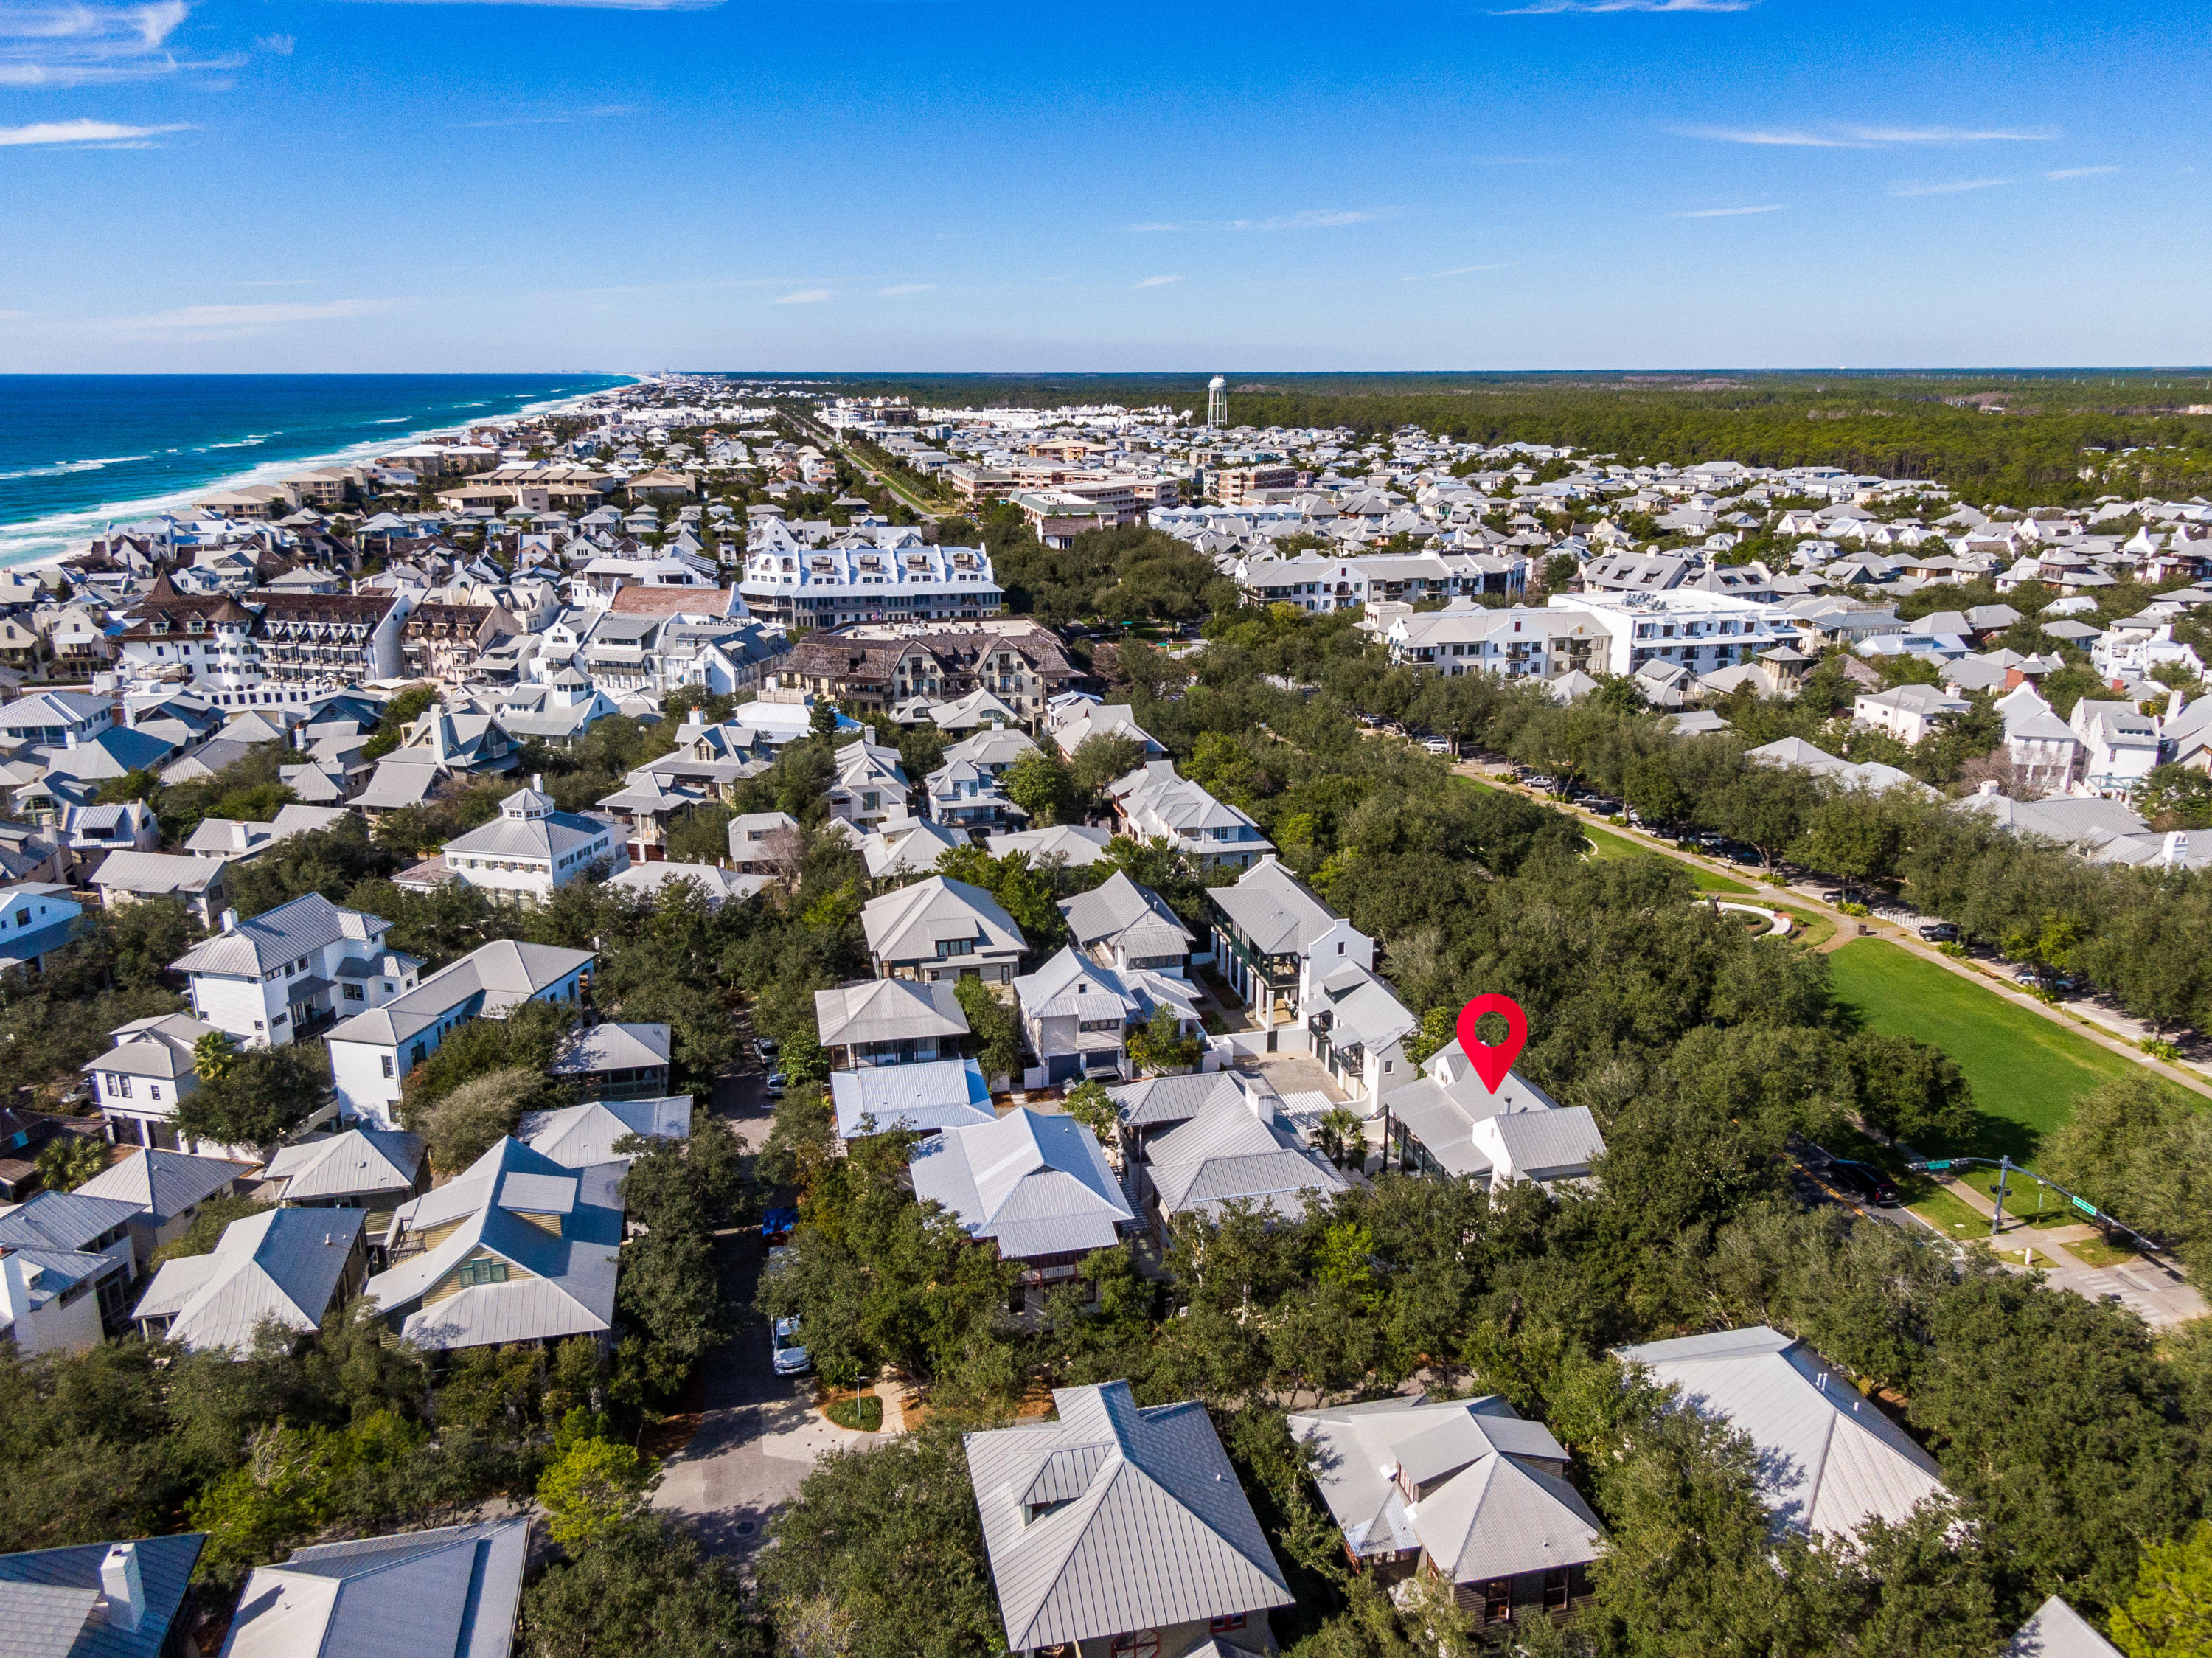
282 1263
582 1136
163 1184
275 936
1276 911
1077 844
887 1010
1032 1184
502 972
62 1219
1491 1500
567 1283
1238 1150
158 874
452 1591
360 1160
1829 1459
2057 1630
1149 1527
910 924
53 1605
1134 918
935 1094
1159 1101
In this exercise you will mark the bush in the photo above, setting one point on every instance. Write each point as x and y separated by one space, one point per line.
862 1413
468 1122
594 1489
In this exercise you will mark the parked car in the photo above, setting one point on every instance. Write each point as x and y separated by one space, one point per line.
763 1050
1863 1181
1941 932
784 1350
777 1081
1546 785
1438 745
1835 895
777 1225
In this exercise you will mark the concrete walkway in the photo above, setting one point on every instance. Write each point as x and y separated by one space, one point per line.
2154 1290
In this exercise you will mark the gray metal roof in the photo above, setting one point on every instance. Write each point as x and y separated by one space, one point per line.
1034 1184
351 1164
284 933
1156 1531
504 972
1546 1145
454 1590
62 1219
163 1184
570 1286
910 923
282 1263
580 1136
887 1010
2057 1630
1159 1101
1120 912
934 1094
610 1047
50 1600
1829 1459
1236 1148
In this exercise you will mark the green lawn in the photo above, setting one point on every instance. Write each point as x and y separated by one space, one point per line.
1604 843
2026 1071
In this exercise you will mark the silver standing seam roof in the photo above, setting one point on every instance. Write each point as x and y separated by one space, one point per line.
1829 1459
1238 1150
1276 911
357 1161
2057 1630
276 937
282 1263
1115 1518
887 1010
452 1591
1034 1184
504 972
1131 916
582 1136
163 1184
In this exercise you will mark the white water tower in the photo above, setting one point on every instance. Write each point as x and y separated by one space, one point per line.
1217 401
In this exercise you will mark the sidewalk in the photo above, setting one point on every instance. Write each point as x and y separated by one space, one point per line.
2150 1288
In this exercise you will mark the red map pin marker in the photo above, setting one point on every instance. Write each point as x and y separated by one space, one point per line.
1491 1064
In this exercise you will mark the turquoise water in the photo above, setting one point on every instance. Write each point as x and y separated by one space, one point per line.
80 451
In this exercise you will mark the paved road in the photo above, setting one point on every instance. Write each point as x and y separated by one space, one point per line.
760 1434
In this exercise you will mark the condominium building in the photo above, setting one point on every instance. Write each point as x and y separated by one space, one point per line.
830 586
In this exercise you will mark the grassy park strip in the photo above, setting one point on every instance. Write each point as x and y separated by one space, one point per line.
2026 1071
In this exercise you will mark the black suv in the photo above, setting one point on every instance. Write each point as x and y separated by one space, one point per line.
1863 1181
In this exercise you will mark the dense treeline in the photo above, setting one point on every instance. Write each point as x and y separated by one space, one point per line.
1903 426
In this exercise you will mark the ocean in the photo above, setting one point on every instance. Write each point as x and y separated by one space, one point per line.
78 452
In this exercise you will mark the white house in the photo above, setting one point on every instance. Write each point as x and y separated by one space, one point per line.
530 849
1275 941
1154 803
1463 637
373 1052
1907 712
36 919
942 929
1701 631
2120 745
291 970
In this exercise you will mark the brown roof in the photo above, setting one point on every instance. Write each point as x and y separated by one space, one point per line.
670 600
327 607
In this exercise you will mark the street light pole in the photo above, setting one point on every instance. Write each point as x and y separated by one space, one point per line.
1997 1220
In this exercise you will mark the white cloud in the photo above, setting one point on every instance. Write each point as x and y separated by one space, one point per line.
1553 8
2078 173
899 289
1727 212
1158 282
1311 219
1789 138
80 132
85 43
1463 270
1951 134
282 44
1950 187
804 297
192 319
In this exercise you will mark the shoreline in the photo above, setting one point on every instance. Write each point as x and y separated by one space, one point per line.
87 522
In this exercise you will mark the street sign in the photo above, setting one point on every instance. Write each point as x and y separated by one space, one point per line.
2086 1208
1939 1162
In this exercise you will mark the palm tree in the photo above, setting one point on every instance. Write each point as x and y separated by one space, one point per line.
212 1058
1342 1134
68 1161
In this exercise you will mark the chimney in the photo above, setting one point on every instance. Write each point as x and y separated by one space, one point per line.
125 1590
1987 788
868 732
238 834
537 780
2175 853
230 921
698 716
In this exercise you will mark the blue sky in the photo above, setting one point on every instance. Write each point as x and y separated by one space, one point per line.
335 184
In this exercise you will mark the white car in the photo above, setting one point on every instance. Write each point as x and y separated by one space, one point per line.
790 1358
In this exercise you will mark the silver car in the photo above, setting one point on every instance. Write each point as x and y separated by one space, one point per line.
790 1357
